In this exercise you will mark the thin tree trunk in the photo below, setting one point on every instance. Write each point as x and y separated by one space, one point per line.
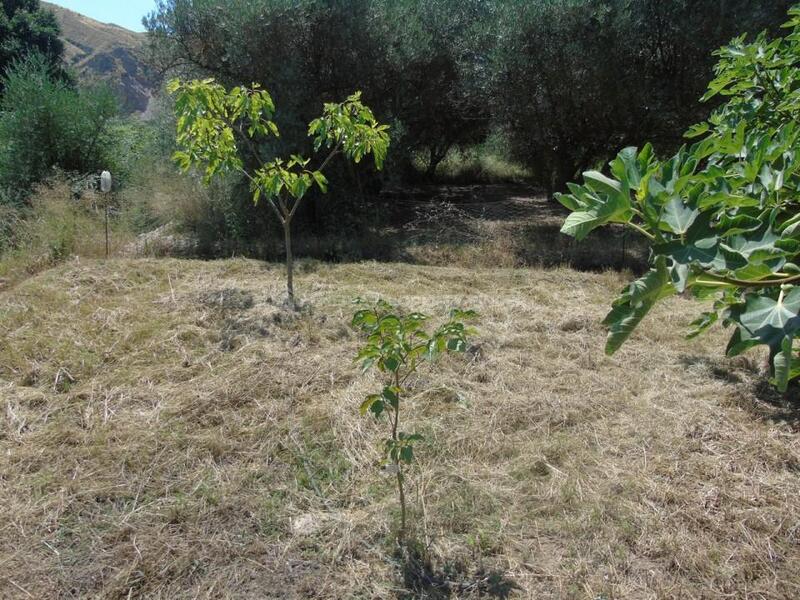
287 236
401 536
436 156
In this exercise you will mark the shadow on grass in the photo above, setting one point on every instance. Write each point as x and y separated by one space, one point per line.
775 406
543 245
718 369
502 225
455 579
753 392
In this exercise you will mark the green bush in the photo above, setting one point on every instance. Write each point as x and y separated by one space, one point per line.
26 27
46 123
488 162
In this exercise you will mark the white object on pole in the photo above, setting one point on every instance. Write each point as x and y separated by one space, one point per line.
105 182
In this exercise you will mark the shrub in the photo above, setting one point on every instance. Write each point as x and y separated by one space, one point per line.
45 123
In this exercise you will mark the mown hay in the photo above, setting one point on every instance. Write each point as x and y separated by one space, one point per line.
143 456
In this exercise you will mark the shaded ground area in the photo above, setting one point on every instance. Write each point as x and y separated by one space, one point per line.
506 225
499 225
169 431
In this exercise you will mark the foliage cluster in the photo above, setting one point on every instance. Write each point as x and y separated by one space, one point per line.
566 82
25 28
722 214
574 80
46 123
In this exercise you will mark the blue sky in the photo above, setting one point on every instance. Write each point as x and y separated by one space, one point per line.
127 13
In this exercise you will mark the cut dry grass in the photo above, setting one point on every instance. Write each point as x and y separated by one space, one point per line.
170 432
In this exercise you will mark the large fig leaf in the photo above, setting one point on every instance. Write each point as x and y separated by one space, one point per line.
635 302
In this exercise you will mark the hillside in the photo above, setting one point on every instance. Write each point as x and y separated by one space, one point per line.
107 52
169 431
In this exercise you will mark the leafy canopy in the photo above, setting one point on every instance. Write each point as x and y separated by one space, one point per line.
723 214
26 28
213 123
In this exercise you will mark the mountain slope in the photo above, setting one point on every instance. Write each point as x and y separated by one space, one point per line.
100 51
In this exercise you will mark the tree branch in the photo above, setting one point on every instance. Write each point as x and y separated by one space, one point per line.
764 283
331 155
268 198
325 162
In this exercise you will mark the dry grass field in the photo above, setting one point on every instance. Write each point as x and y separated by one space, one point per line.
168 431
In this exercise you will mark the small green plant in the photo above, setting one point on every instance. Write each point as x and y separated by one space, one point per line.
397 346
214 125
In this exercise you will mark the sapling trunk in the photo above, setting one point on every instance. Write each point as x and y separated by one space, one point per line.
402 533
398 466
287 237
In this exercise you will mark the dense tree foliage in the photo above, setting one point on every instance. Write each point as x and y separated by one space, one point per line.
46 123
575 79
722 216
413 61
24 27
566 80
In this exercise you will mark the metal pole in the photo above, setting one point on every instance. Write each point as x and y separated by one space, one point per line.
106 225
105 188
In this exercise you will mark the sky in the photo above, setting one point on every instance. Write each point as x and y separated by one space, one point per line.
126 13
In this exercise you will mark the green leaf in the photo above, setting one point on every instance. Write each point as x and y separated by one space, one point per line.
321 181
372 403
635 302
765 320
782 364
697 130
407 454
581 223
569 201
702 324
677 216
456 345
626 168
392 395
600 183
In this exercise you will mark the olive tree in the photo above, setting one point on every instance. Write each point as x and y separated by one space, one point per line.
218 128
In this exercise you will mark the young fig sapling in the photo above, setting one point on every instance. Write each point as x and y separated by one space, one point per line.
397 345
